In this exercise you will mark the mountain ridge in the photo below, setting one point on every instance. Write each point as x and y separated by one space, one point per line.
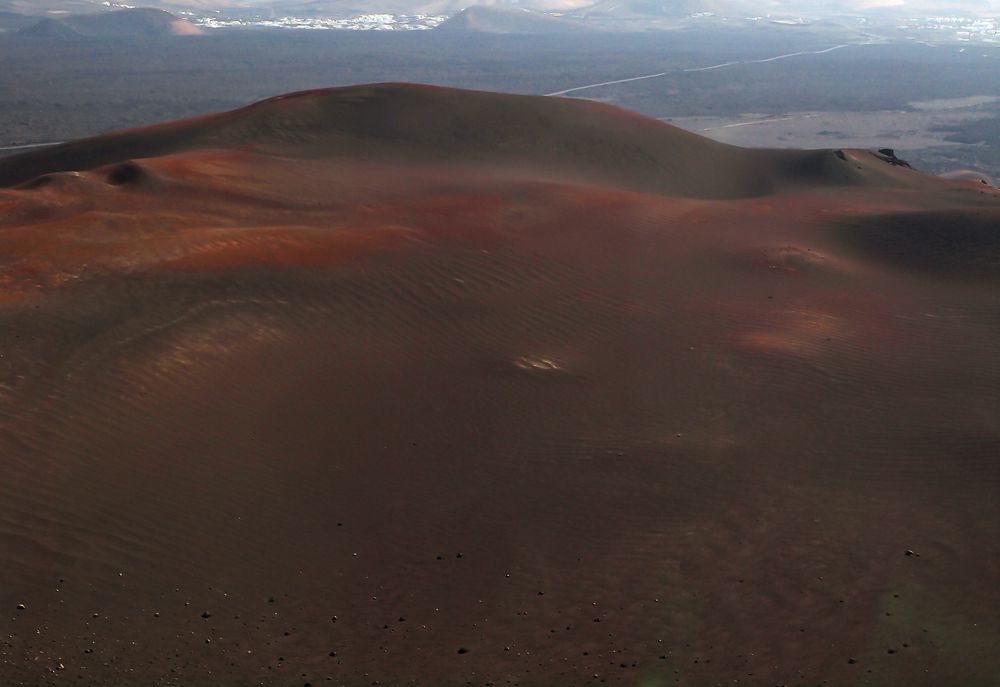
131 22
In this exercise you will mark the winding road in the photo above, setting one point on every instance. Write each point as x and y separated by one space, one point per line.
754 122
704 69
585 87
31 145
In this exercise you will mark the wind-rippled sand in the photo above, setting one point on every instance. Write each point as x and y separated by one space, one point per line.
312 391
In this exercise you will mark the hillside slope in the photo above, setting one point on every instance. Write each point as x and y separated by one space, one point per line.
417 386
559 139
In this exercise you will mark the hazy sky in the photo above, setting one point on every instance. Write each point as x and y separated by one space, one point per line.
932 6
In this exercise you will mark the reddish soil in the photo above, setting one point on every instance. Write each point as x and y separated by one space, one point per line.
308 392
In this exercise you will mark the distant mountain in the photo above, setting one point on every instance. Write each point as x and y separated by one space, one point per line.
50 28
12 21
38 8
298 8
347 8
121 23
674 9
480 19
624 11
429 6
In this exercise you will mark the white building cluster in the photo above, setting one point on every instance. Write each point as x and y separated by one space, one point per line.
985 29
364 22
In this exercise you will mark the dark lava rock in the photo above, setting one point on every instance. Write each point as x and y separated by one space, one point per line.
889 155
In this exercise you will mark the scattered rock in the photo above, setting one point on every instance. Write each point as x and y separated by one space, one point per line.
889 155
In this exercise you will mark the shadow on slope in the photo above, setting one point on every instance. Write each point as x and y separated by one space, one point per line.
952 243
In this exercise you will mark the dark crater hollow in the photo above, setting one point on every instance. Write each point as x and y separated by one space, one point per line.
127 174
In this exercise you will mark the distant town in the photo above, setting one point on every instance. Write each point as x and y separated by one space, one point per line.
942 29
364 22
